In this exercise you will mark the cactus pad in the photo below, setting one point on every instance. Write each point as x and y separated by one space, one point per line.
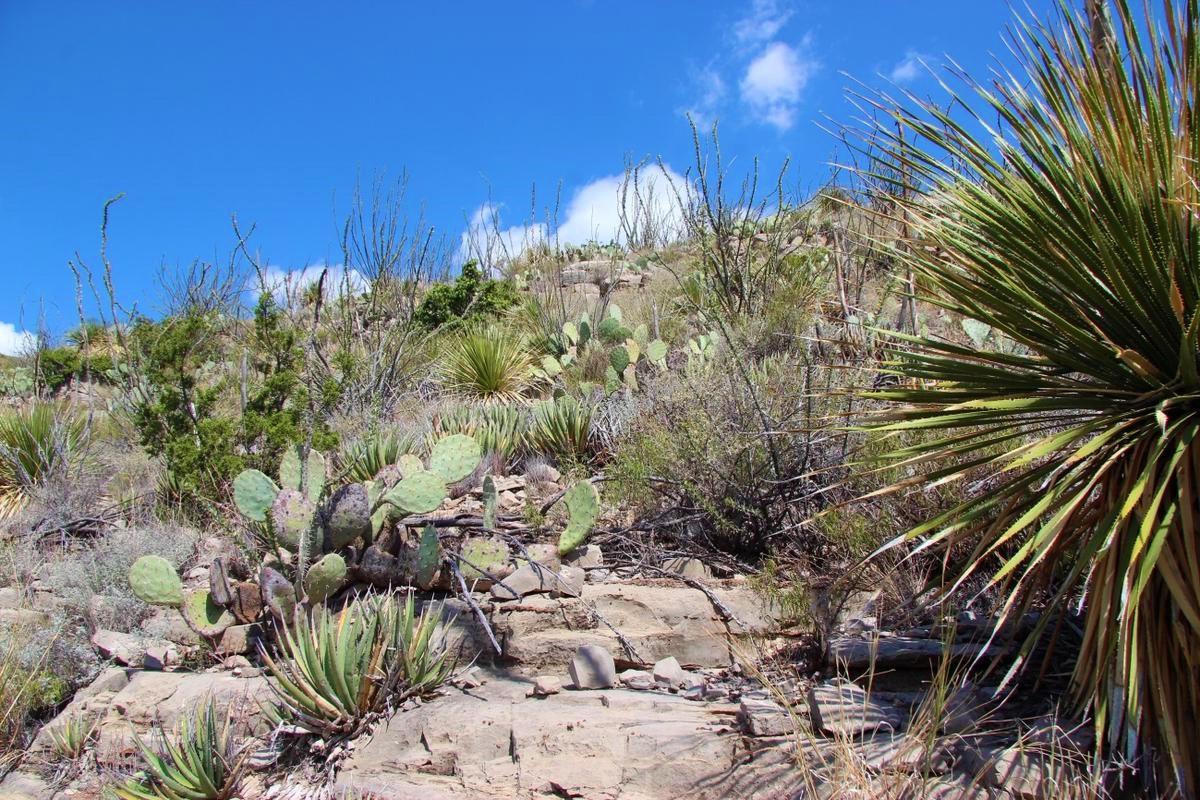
489 502
253 494
583 505
656 351
429 557
419 493
204 616
389 476
483 555
325 578
348 516
633 349
154 581
289 472
619 359
455 457
292 518
409 465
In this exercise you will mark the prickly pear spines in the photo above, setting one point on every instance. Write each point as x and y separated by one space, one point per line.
583 507
489 502
292 518
348 516
324 578
419 493
482 556
429 557
290 472
455 457
204 616
253 494
154 581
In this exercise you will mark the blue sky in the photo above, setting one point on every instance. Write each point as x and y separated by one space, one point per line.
270 110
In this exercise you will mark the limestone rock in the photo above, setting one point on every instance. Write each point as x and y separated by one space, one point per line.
668 672
546 685
688 568
589 556
593 668
848 710
125 648
536 579
636 679
764 718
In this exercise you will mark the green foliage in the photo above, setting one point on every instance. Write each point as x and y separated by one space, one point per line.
562 428
35 444
336 670
71 737
470 297
366 458
583 507
58 366
16 381
491 364
1071 228
154 581
200 761
499 429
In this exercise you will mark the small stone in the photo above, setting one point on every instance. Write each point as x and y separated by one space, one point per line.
247 672
688 568
545 554
715 692
536 579
593 668
159 656
237 639
124 648
598 575
470 679
589 556
668 672
234 662
764 718
637 679
848 709
570 582
694 693
692 681
546 685
198 574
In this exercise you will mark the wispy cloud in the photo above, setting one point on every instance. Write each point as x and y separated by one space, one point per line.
909 68
773 84
290 284
710 93
15 342
762 23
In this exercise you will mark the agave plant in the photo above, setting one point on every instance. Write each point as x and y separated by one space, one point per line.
365 459
1072 228
562 427
70 739
201 761
336 671
490 365
35 444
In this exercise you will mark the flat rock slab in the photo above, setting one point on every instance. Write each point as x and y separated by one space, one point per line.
495 742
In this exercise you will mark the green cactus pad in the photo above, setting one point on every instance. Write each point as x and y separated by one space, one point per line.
204 616
253 494
656 351
483 555
154 581
489 502
429 557
629 376
570 332
583 505
612 380
634 349
348 516
289 472
551 366
611 330
455 457
292 518
409 465
419 493
325 578
619 359
278 594
585 332
641 335
614 312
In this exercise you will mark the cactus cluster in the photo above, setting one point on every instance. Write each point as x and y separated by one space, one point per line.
702 349
626 349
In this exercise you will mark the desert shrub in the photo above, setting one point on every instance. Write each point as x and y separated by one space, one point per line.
26 686
1070 228
488 364
35 445
470 297
562 428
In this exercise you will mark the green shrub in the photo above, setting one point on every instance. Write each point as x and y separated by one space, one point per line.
35 445
470 297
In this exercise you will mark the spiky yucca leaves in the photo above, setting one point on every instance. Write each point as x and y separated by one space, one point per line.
201 761
562 427
337 670
1072 229
490 364
35 444
499 429
363 461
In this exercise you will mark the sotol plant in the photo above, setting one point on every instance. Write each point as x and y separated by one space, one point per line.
1072 228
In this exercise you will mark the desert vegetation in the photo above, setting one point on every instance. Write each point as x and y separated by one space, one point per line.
932 424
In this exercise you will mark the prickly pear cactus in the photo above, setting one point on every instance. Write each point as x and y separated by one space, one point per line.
656 351
409 465
619 359
429 557
292 516
278 595
154 581
348 516
325 578
583 505
489 502
389 476
290 472
482 556
253 494
419 493
455 457
203 614
633 349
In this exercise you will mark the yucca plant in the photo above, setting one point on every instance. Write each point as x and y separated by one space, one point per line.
35 444
363 461
562 427
200 761
70 739
1070 227
489 364
499 429
338 670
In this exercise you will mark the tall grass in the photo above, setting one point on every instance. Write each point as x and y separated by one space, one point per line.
1059 207
35 444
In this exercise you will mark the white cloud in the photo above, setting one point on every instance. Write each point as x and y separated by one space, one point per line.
593 213
288 284
773 83
14 342
764 20
710 93
909 68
